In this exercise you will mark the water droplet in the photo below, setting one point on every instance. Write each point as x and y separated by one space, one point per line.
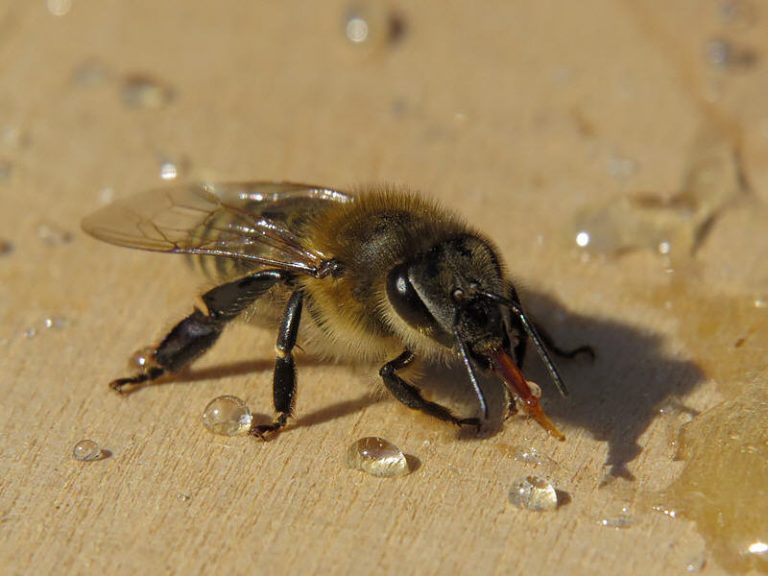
726 55
696 564
377 457
533 493
227 416
172 168
87 451
55 323
106 195
141 91
372 24
356 29
760 548
168 170
623 520
59 7
53 234
181 497
141 358
582 239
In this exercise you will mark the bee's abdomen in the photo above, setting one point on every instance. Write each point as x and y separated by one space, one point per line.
216 268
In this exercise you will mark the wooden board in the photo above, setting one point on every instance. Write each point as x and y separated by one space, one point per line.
517 114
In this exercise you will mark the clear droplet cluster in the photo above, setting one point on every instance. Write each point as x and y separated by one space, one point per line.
227 416
534 493
377 457
47 323
53 234
623 519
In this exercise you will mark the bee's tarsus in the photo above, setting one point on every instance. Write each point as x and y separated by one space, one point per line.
268 431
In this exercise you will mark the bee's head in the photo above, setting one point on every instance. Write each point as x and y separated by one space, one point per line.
437 293
456 294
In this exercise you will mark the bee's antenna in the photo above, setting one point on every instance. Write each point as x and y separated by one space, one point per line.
472 375
530 329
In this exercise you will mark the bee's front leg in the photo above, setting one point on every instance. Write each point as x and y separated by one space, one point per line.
411 396
194 335
284 386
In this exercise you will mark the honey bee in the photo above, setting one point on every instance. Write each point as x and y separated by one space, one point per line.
384 276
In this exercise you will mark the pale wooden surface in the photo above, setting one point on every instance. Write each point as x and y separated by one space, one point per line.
511 112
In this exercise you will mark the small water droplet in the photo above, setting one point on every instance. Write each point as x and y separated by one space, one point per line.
59 7
141 358
533 493
696 564
227 416
377 457
106 195
356 29
168 170
582 239
87 451
181 497
759 548
372 24
53 234
172 168
142 91
623 520
55 323
726 55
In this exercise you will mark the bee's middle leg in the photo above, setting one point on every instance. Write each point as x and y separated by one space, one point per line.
284 384
411 396
196 333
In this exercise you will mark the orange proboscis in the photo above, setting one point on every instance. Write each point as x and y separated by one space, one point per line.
518 385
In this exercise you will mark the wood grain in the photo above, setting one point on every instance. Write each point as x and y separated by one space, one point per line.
515 114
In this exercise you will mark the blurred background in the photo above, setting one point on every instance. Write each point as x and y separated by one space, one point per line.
617 152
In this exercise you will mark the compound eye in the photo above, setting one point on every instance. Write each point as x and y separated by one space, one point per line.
407 302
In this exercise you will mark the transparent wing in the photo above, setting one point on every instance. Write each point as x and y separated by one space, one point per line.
214 219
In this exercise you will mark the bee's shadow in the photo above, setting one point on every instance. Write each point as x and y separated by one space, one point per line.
618 395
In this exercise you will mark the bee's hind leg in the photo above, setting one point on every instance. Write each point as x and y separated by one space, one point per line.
411 396
284 384
194 335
